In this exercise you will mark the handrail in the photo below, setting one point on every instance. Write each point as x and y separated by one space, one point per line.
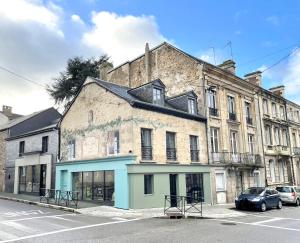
52 196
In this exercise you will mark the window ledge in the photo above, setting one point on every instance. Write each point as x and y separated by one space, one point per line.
233 122
214 117
172 162
147 162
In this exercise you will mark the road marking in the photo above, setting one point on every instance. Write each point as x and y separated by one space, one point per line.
253 224
61 218
67 230
20 227
119 219
267 221
266 216
23 213
40 217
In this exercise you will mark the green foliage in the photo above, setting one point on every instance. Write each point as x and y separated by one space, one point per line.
69 82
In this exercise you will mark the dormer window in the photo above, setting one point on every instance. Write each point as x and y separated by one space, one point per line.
192 106
157 96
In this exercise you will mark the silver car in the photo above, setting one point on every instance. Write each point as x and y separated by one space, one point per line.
289 194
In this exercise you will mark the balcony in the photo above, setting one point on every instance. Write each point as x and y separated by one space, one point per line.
213 111
194 155
236 158
147 152
232 116
296 150
171 154
249 120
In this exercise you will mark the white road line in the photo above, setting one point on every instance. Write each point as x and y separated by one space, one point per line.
253 224
265 216
67 230
119 219
61 218
267 221
32 218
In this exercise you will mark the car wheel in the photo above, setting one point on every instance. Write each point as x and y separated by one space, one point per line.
297 202
279 205
263 207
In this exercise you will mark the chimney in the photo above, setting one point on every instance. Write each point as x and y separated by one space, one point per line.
254 77
147 62
279 90
7 110
103 69
229 66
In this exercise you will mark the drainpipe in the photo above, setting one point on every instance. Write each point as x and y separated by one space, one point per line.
289 141
262 140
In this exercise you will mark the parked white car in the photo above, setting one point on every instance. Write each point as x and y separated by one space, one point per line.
289 194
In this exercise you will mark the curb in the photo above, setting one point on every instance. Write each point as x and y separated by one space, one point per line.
45 205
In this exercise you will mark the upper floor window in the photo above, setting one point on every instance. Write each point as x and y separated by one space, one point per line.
157 96
113 142
268 135
284 137
248 113
282 112
194 147
294 139
212 103
291 114
277 135
21 148
90 117
45 144
214 139
71 149
231 108
274 109
171 146
251 143
265 106
296 115
192 106
234 142
146 142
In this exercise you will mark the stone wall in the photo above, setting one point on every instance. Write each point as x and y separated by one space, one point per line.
3 135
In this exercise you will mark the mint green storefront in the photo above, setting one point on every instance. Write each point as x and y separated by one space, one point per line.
161 183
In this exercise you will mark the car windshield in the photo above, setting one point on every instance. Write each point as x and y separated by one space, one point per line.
284 189
254 191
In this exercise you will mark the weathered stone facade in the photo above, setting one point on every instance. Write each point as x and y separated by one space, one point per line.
3 136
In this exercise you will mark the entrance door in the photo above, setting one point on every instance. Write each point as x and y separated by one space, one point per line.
43 179
173 189
239 183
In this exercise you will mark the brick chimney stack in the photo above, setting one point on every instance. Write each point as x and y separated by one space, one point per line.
254 77
229 66
6 110
279 90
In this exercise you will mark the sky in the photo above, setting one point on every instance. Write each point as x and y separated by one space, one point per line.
38 36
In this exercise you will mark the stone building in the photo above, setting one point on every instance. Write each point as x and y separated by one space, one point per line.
31 144
229 102
6 115
131 146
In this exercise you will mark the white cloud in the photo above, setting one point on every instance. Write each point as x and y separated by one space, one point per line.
122 37
274 20
292 77
76 18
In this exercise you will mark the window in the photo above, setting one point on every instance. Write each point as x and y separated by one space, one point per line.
233 142
291 114
272 170
274 109
257 182
171 146
214 140
45 144
282 112
297 116
281 166
284 137
251 143
231 108
265 106
113 143
268 135
194 187
248 113
212 103
71 149
194 148
277 135
220 181
146 142
21 148
294 139
157 96
191 106
90 117
148 184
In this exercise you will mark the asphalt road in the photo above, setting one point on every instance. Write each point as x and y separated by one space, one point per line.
26 223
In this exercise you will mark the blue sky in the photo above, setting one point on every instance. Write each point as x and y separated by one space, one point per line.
47 33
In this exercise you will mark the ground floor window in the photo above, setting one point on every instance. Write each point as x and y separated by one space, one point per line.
220 181
256 175
148 184
32 178
94 185
194 187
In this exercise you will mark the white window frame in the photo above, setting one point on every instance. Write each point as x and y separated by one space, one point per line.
223 174
231 104
256 174
281 165
157 96
191 105
71 149
215 140
115 143
212 99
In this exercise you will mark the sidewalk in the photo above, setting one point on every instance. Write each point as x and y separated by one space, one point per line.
90 208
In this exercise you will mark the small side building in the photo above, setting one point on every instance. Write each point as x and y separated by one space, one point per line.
128 147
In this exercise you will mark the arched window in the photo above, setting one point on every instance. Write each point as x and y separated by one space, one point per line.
90 117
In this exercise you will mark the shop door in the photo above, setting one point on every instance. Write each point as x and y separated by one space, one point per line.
173 189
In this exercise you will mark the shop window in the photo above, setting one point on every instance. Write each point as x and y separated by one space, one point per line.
148 184
194 187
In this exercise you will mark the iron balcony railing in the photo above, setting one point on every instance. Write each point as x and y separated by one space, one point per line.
213 111
147 152
171 154
236 158
296 150
194 155
232 116
249 120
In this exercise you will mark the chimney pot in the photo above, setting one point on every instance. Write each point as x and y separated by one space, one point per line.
229 66
254 78
7 110
279 90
